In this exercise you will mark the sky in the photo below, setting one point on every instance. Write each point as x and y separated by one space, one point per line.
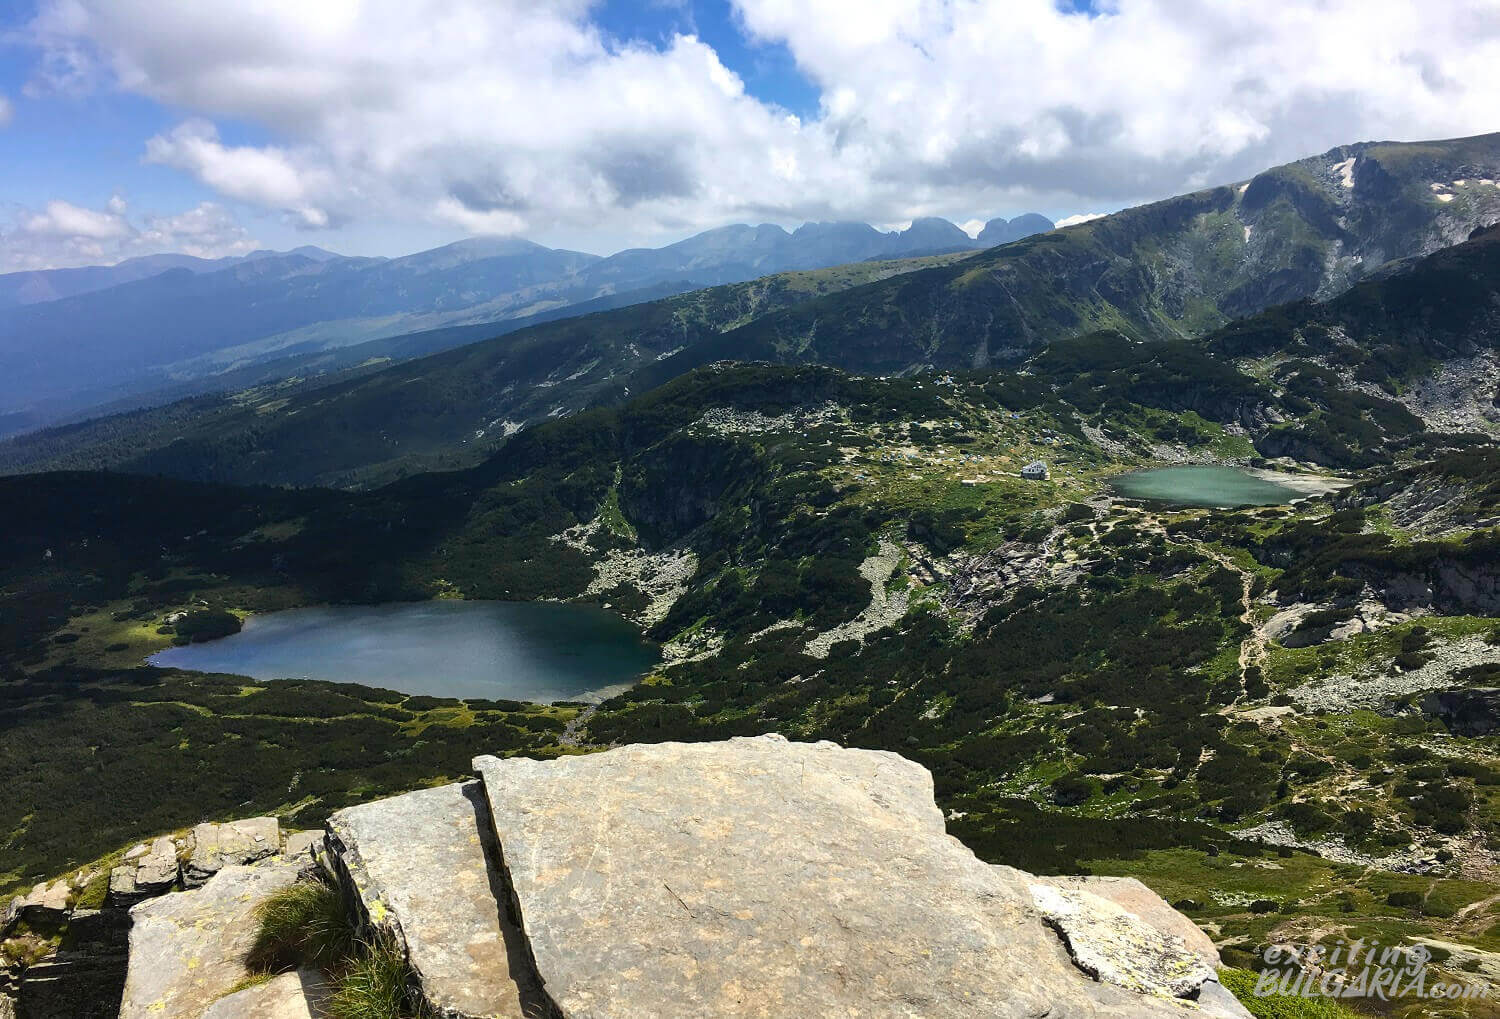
387 126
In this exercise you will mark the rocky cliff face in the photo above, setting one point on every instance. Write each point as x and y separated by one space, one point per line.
755 877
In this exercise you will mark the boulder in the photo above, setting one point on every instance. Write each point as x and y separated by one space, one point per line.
156 871
298 995
187 950
122 890
418 865
211 847
46 903
144 874
762 877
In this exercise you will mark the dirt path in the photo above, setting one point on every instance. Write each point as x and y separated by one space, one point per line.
1253 647
572 734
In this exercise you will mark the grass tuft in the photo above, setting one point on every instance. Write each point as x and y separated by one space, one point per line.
306 924
374 986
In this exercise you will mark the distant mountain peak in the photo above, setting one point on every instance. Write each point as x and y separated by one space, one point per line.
1002 231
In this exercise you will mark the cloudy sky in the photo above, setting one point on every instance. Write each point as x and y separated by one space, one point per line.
385 126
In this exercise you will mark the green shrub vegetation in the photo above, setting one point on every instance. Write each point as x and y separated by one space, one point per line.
1241 983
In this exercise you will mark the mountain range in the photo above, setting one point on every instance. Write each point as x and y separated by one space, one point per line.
79 340
1172 269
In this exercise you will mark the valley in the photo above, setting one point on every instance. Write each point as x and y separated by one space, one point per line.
1097 684
1238 639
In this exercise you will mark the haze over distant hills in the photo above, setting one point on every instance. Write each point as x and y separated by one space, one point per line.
75 339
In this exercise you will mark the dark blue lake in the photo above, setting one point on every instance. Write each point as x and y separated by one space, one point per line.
530 651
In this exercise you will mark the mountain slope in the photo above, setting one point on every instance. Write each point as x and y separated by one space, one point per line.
1167 270
444 410
1092 682
133 330
1178 267
38 285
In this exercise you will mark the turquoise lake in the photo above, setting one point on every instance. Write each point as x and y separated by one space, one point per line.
1213 487
528 651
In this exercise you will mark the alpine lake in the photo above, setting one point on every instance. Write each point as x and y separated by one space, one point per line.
1216 487
524 651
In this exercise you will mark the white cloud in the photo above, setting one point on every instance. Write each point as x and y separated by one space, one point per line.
264 176
63 234
6 110
1082 217
513 116
64 219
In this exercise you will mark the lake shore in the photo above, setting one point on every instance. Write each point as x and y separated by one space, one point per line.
1306 484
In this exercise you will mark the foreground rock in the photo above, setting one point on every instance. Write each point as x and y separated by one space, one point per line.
289 996
187 950
759 877
418 866
211 847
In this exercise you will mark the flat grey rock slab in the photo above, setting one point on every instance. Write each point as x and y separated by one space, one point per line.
418 864
301 845
211 847
758 877
298 995
187 949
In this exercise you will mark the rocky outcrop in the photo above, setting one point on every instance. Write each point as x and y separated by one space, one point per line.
212 847
188 950
1473 712
417 866
753 877
79 980
70 962
144 874
762 877
45 903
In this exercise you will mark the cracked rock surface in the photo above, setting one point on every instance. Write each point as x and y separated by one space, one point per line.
759 877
